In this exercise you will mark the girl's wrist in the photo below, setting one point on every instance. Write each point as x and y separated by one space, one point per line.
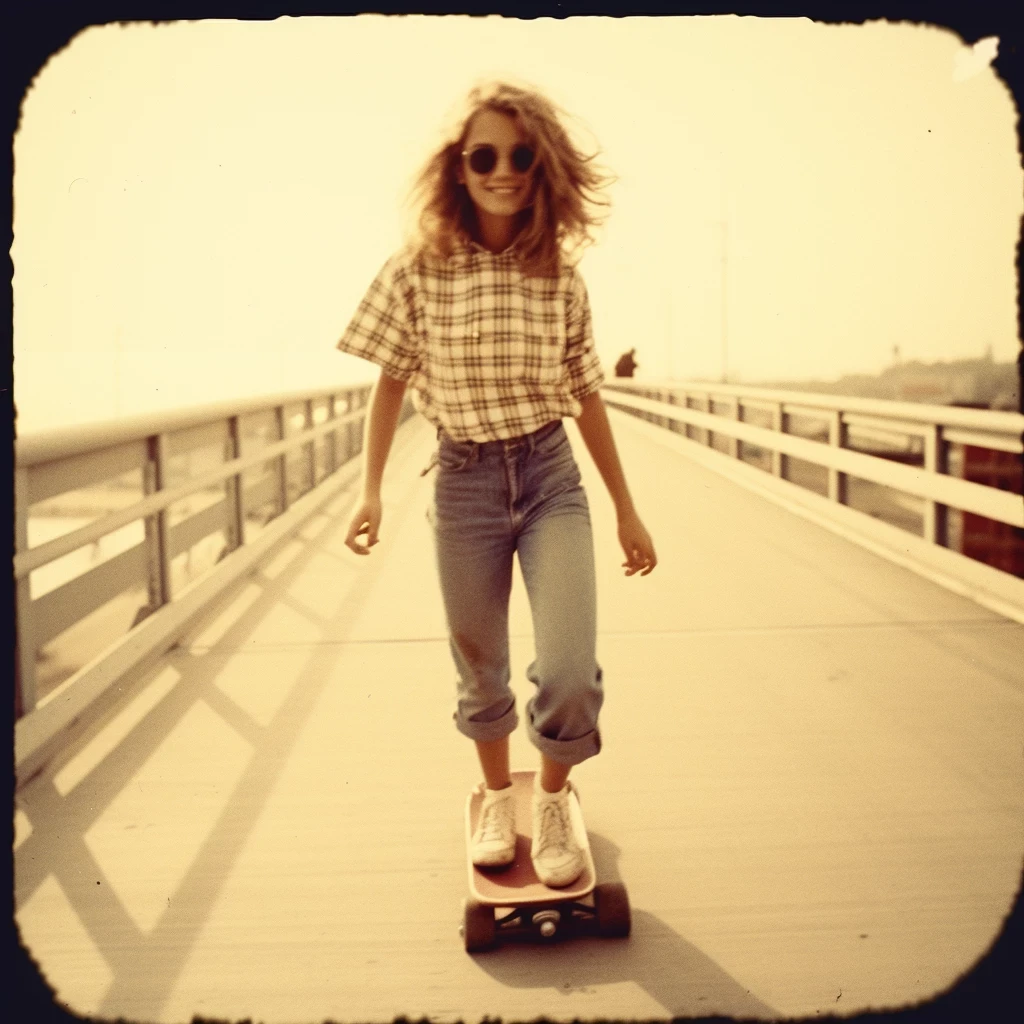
624 507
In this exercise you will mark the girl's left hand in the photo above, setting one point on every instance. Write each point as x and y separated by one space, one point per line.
637 544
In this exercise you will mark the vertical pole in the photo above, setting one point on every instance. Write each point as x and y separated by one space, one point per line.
780 423
936 460
707 405
331 439
674 425
734 442
310 448
359 426
25 663
837 438
282 462
154 478
350 427
234 526
725 299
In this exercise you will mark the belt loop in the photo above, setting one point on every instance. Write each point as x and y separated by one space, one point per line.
536 436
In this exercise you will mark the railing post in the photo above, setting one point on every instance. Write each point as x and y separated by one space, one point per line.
282 462
331 439
936 460
837 437
350 406
674 425
685 402
734 442
780 424
704 404
359 426
25 662
234 526
310 447
154 478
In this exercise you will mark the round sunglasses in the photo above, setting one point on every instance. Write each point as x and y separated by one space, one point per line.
483 159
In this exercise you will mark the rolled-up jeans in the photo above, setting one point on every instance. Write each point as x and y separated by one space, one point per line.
493 500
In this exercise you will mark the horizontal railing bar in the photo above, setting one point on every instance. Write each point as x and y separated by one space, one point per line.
49 479
196 527
866 438
897 425
61 608
983 439
964 494
26 561
811 412
65 442
993 588
856 419
996 421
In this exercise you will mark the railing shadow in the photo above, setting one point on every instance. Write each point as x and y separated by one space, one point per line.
145 963
673 972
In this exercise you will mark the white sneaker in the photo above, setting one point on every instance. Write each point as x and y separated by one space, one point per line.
494 841
557 855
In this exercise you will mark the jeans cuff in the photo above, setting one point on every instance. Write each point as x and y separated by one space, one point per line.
569 752
488 731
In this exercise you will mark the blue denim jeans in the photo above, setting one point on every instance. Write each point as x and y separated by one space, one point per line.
493 500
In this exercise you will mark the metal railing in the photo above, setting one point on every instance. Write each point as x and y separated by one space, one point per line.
839 447
136 515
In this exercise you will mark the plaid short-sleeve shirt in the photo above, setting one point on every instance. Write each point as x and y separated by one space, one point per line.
488 352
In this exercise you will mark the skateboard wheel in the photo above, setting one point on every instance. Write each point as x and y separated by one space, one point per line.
611 901
547 922
477 926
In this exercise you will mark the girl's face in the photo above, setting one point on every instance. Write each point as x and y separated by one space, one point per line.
505 189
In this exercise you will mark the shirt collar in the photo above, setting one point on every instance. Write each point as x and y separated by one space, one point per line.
472 245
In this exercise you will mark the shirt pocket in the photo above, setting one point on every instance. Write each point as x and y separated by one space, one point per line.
453 349
538 356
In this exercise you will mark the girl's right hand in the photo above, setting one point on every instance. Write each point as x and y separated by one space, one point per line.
365 519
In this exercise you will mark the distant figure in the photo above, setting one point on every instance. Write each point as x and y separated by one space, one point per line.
626 364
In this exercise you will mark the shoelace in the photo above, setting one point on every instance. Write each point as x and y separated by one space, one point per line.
491 826
554 828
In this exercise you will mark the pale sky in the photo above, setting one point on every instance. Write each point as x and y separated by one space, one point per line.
200 206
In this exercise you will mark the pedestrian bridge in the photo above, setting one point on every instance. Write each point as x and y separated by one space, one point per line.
240 791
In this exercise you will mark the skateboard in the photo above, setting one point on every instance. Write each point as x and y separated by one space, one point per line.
513 903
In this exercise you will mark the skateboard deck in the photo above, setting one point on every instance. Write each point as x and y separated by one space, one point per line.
518 882
534 909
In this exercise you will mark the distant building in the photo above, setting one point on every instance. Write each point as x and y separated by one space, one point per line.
980 383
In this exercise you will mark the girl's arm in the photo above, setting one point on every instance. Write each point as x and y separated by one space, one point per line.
597 435
381 421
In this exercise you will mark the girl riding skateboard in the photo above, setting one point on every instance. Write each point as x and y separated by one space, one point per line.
485 316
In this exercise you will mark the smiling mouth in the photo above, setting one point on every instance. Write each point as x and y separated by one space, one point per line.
504 191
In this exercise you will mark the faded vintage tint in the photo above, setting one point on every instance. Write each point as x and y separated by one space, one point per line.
199 206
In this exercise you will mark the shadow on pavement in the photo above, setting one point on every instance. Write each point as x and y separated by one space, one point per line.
672 971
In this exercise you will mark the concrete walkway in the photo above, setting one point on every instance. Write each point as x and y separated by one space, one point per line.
811 784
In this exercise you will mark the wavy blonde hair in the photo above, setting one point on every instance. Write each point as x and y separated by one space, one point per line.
567 196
